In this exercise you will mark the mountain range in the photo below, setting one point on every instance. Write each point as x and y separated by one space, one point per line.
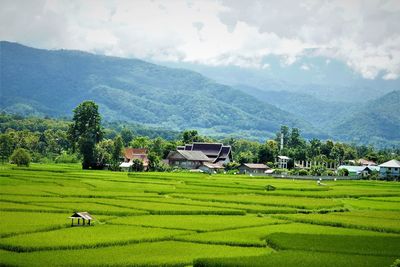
38 82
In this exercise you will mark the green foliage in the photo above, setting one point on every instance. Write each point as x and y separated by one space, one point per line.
85 131
6 147
137 165
67 158
396 263
20 157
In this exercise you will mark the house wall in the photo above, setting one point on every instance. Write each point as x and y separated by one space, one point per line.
186 164
244 170
385 171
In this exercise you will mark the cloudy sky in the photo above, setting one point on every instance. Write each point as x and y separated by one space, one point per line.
364 34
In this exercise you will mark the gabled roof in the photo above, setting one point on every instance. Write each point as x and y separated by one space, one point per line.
366 162
130 153
255 165
391 164
225 152
213 165
283 157
210 149
83 215
190 155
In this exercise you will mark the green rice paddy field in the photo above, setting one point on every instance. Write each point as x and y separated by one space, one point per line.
183 219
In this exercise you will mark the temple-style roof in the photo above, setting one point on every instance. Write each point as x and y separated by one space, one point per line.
215 151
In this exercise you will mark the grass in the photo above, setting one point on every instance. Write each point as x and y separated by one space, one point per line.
143 254
86 237
180 219
362 245
347 220
299 259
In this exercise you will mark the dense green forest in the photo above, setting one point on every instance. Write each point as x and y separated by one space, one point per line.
132 90
47 140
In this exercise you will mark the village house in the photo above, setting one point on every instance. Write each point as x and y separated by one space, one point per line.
192 156
359 171
130 154
253 168
365 162
209 167
282 162
390 168
187 159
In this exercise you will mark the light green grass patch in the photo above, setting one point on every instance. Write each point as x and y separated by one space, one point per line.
156 253
347 220
196 223
253 236
86 237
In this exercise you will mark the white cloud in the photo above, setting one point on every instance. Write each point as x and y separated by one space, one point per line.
364 34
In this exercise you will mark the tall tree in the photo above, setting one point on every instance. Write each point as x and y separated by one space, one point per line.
85 131
117 151
6 147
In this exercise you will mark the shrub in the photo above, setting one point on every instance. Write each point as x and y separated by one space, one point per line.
67 158
21 157
303 172
396 263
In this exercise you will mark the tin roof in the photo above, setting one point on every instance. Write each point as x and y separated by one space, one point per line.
255 166
391 164
82 215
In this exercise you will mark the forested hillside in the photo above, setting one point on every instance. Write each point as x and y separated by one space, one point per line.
42 82
375 122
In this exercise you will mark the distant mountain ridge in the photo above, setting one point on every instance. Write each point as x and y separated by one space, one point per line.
375 122
53 82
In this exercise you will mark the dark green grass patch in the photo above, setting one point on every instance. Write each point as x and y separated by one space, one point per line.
298 259
362 245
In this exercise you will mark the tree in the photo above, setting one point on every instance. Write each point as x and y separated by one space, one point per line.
85 131
21 157
141 142
154 161
190 136
245 157
117 151
137 165
126 135
6 147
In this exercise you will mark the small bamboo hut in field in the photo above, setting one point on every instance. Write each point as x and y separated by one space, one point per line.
81 216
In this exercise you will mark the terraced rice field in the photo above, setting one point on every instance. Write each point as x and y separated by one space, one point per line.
181 219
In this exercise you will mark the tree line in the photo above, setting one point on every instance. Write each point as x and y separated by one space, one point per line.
85 139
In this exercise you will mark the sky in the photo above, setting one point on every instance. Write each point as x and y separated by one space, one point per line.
363 34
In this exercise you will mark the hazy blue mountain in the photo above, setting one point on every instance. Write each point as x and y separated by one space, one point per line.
322 114
377 121
43 82
374 122
325 79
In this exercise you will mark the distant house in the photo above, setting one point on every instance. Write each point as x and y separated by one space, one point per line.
359 171
365 162
130 154
390 168
211 167
216 152
249 168
282 162
187 159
